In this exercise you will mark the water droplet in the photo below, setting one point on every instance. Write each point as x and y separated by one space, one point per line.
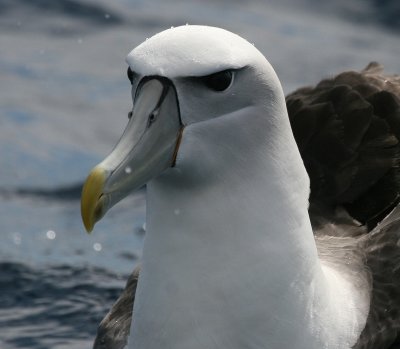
187 24
128 170
17 238
97 246
80 40
177 211
172 27
107 16
51 234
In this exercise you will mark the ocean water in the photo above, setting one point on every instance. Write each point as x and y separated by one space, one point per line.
63 104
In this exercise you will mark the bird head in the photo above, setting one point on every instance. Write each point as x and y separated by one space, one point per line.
180 77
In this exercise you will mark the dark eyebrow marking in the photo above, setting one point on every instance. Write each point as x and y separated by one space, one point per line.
200 77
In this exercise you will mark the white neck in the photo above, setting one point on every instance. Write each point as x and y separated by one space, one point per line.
229 259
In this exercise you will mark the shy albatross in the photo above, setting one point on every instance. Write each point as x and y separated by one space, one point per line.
237 254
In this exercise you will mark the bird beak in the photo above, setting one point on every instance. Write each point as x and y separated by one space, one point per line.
147 147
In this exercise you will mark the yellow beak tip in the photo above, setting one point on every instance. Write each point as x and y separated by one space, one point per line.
89 227
91 193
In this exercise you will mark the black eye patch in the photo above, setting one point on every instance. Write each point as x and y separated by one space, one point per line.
218 81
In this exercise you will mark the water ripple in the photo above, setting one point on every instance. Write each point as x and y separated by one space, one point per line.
56 307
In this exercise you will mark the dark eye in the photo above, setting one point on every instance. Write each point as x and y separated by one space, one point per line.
130 115
130 75
219 81
152 117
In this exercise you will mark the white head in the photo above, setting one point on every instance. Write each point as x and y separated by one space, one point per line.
183 79
187 53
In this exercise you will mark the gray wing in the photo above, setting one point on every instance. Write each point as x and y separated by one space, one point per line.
347 129
382 248
113 330
348 132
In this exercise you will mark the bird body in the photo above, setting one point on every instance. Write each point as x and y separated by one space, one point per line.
231 258
222 274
